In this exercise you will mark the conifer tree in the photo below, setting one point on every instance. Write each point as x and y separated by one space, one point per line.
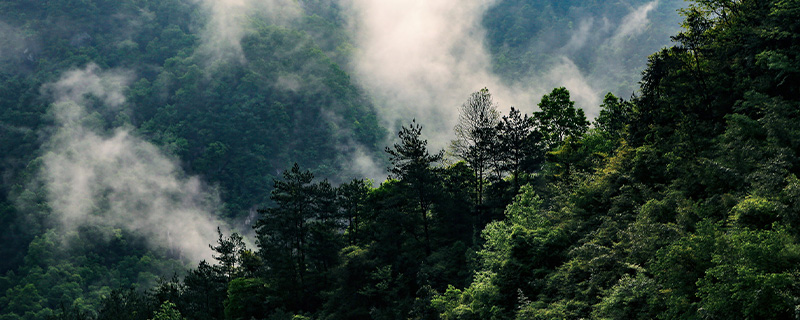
413 165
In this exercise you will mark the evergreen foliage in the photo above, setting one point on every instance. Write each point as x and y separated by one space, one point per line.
680 203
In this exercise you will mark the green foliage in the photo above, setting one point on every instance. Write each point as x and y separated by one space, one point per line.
209 116
167 311
559 119
204 292
630 298
478 301
76 279
752 276
615 114
526 245
298 239
234 258
24 301
755 212
672 202
518 145
213 118
354 297
681 203
128 305
351 199
412 164
246 299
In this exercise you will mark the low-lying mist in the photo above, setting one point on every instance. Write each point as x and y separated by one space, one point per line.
112 178
421 60
416 59
228 22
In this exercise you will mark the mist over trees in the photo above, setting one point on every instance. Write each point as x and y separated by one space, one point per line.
213 160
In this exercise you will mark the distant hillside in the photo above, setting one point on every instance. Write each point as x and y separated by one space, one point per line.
607 40
233 120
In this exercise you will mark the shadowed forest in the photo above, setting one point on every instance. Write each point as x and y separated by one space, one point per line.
280 159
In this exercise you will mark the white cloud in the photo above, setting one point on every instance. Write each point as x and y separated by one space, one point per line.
566 74
117 179
421 59
635 22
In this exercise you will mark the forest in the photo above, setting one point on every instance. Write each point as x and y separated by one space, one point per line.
152 168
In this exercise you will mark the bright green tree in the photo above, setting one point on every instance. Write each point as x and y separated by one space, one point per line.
167 311
558 118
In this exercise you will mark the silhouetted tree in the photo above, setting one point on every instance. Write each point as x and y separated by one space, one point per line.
476 136
413 166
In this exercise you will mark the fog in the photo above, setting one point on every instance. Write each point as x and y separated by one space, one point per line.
421 60
112 178
230 20
416 59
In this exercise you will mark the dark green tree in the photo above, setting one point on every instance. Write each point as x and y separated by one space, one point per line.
126 305
413 166
205 290
615 114
228 251
294 238
519 147
351 198
247 299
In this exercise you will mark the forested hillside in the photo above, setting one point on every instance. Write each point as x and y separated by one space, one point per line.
605 40
678 203
236 122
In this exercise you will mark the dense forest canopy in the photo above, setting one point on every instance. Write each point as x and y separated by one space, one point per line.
134 147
